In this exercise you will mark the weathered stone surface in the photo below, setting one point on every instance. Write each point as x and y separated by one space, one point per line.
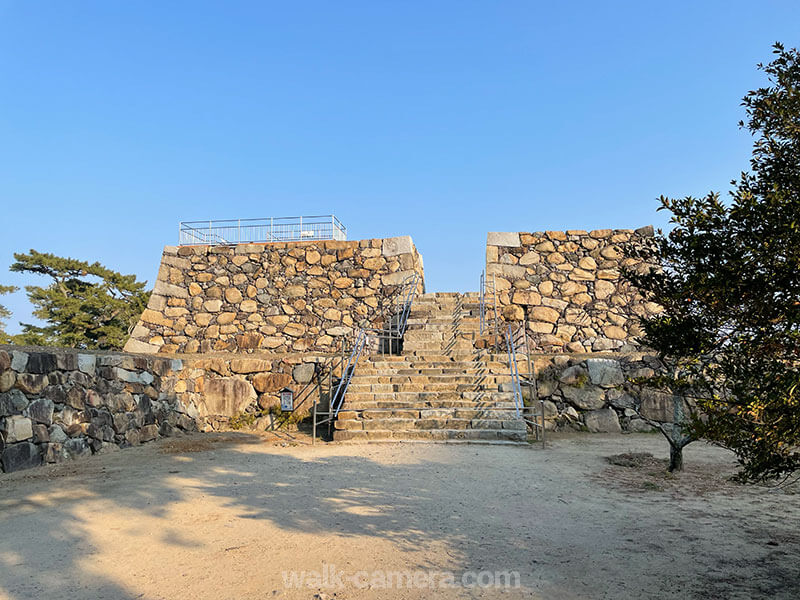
271 382
226 396
303 373
75 448
512 312
576 274
500 238
41 362
7 380
640 426
12 402
585 398
233 295
20 456
605 372
544 313
614 332
657 405
31 383
40 411
602 421
87 363
16 429
576 375
249 306
397 246
19 360
250 365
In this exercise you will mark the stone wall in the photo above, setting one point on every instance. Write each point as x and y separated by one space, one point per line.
282 297
246 387
57 404
61 404
599 392
568 286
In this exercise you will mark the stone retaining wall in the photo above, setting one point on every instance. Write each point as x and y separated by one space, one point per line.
62 404
58 404
568 285
599 392
284 297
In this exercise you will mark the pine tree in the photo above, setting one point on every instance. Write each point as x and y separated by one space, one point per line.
85 305
4 314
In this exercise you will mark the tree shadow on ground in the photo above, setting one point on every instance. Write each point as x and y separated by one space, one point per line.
46 546
474 508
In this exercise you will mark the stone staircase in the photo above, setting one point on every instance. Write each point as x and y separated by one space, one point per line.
439 389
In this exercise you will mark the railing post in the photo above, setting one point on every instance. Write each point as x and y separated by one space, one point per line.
496 324
314 423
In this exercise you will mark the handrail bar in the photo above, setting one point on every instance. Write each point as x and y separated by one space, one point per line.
347 373
513 367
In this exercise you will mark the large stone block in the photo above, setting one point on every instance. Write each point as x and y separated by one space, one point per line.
605 371
508 239
303 373
40 411
602 421
77 448
31 383
587 397
226 396
16 429
19 360
397 245
20 456
250 365
86 363
271 382
12 402
162 288
41 362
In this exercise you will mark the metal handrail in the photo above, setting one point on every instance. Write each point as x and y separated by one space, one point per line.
269 229
529 380
347 372
410 291
363 335
514 368
487 288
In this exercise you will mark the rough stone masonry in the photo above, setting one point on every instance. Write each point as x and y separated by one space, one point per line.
281 297
568 285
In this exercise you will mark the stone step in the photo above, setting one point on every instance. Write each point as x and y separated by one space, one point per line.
360 405
424 412
393 388
429 423
466 435
475 371
420 362
419 378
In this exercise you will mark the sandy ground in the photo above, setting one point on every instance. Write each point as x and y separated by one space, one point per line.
224 516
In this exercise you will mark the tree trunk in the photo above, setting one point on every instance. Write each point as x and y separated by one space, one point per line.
675 458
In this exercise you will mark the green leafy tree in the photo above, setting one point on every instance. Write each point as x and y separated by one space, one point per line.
729 282
5 313
85 305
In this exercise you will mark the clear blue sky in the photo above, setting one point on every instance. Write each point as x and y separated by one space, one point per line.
438 119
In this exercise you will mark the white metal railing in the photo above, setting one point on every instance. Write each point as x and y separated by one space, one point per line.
269 229
527 413
487 303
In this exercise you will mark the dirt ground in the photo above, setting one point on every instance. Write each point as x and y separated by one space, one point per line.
236 516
